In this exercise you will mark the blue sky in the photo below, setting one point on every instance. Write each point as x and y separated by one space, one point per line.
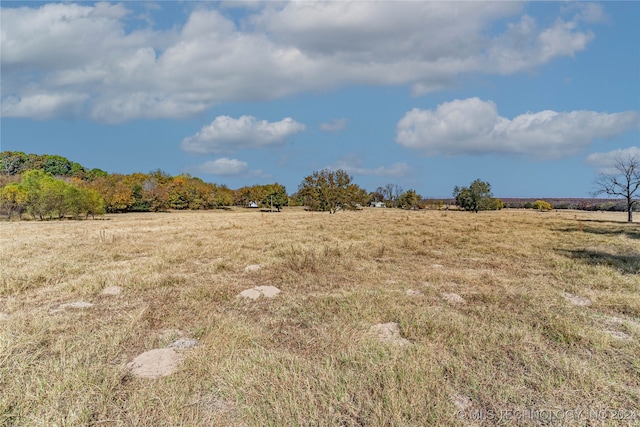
535 98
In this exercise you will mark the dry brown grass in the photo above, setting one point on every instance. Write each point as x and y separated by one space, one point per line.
306 357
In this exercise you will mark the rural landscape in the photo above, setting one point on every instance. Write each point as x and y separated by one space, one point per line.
319 213
369 316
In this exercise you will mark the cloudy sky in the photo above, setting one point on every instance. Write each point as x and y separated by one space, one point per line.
535 98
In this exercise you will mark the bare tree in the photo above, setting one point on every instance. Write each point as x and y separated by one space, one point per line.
388 194
624 181
391 193
397 193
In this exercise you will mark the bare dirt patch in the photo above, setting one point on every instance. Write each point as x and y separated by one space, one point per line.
259 291
461 402
252 268
619 335
76 305
215 410
156 363
112 290
453 298
389 333
614 326
576 300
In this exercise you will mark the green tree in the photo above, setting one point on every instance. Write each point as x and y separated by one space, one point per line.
474 198
331 191
32 183
13 199
221 196
409 200
58 165
73 201
53 198
275 195
96 173
78 171
91 203
45 194
495 204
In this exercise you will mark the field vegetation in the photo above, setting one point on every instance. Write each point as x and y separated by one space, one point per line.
514 314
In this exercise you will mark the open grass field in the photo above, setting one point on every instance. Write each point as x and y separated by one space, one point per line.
505 318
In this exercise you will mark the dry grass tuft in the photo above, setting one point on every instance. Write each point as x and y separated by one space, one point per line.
505 311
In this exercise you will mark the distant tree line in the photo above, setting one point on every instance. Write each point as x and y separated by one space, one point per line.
61 180
50 186
583 204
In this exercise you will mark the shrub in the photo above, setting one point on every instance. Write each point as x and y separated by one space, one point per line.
541 205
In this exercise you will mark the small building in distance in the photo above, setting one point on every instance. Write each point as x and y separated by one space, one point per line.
377 205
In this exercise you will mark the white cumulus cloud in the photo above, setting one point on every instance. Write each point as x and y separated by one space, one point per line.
473 126
116 73
223 166
44 105
226 134
524 46
605 162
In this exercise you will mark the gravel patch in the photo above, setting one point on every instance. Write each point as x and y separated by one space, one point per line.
184 343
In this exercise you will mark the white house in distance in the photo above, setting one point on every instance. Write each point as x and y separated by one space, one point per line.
377 205
252 205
